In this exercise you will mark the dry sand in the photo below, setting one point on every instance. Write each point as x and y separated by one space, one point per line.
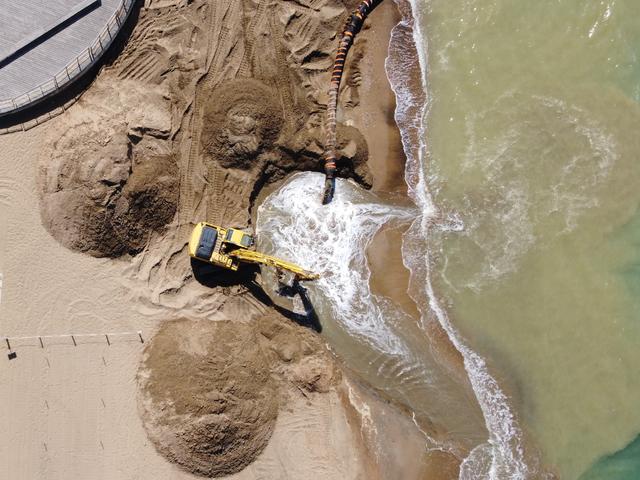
76 190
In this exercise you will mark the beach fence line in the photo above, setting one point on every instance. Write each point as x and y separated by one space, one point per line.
75 339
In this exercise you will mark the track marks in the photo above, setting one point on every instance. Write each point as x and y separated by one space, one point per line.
250 37
145 67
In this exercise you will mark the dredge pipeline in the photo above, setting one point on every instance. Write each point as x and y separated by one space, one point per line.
352 27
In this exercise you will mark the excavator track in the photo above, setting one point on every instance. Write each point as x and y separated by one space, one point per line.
258 15
187 193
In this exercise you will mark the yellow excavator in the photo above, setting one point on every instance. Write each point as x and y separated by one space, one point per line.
229 247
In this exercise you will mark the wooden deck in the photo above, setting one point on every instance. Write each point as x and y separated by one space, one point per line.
39 39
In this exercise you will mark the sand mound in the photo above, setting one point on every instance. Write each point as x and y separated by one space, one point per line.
97 198
297 354
147 202
210 390
208 400
242 119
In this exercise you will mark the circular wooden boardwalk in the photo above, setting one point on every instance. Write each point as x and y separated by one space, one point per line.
45 46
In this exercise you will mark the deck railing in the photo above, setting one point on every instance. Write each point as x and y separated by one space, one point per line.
76 67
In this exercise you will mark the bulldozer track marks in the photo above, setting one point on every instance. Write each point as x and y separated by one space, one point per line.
283 84
215 205
144 67
187 194
218 41
250 40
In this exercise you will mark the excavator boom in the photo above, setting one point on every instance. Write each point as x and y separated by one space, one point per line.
251 256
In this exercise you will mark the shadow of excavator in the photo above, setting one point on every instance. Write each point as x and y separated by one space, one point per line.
212 276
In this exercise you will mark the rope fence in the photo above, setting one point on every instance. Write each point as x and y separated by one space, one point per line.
74 339
76 67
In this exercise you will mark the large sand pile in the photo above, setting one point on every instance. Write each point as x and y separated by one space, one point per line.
210 390
209 401
244 127
97 198
242 120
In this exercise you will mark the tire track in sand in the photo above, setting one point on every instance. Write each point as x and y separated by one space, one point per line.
225 14
250 39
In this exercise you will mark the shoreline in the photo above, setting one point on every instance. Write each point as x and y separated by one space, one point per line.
516 455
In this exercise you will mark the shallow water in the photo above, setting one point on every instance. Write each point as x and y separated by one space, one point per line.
532 149
372 335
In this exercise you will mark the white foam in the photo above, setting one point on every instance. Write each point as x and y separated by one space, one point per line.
332 240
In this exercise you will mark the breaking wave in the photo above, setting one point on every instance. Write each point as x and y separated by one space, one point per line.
502 456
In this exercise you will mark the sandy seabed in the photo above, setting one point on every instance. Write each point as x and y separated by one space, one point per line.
95 209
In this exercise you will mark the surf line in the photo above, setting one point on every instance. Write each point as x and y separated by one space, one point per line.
351 29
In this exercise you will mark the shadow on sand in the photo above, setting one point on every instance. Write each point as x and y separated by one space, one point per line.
211 276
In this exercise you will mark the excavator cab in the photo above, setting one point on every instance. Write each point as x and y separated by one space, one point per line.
238 238
228 247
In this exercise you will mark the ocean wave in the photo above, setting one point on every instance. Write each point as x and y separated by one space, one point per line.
502 456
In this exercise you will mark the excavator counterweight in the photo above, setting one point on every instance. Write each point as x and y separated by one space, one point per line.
229 247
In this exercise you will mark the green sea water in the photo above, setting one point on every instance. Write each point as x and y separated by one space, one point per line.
533 163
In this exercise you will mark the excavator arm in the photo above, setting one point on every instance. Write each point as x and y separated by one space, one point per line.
251 256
